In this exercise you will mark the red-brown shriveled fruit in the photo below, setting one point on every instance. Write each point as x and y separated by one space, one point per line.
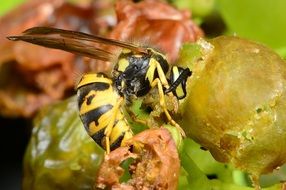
156 164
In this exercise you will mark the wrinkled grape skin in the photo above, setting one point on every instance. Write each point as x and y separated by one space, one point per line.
236 105
60 154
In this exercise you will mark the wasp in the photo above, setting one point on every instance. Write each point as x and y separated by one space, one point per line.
137 70
100 111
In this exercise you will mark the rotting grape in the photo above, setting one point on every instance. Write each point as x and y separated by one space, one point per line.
236 104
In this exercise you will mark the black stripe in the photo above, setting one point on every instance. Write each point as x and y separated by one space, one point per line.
145 88
89 99
95 114
117 143
98 137
163 62
84 90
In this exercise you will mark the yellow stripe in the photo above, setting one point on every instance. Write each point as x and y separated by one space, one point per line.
122 64
125 51
91 78
151 70
175 73
101 98
104 120
102 123
120 128
92 128
128 135
117 131
179 90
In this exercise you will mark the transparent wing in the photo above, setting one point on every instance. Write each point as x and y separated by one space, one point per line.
72 41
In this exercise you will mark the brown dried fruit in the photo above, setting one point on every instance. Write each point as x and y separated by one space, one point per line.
26 16
156 165
51 73
110 170
43 75
156 23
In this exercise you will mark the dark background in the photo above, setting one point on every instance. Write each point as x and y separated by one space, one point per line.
13 141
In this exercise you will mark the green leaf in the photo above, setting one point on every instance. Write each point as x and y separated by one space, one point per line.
8 5
259 20
196 178
199 8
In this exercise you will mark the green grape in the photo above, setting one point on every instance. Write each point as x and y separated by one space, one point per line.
236 104
60 154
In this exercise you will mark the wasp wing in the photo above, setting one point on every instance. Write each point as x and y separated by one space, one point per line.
72 41
83 36
66 44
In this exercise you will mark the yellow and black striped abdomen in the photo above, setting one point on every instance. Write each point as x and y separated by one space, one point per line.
98 104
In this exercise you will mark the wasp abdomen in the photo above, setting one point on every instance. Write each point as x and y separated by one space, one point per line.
94 115
100 111
84 90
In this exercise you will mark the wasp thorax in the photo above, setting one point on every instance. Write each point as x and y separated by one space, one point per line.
137 71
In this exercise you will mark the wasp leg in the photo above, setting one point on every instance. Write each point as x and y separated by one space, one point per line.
162 81
110 125
162 75
158 83
181 80
135 118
